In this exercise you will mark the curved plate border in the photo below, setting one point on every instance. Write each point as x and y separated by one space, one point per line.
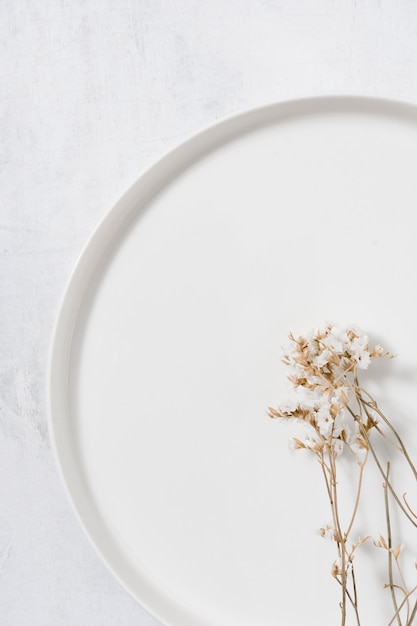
151 181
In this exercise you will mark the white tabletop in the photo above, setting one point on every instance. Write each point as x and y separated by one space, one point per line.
91 94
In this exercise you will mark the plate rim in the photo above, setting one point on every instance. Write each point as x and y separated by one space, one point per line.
115 218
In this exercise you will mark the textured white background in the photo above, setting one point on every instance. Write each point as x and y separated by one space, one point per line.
93 91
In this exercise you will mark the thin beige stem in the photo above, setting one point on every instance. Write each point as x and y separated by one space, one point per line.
340 539
407 596
408 506
413 614
390 574
381 432
357 396
328 471
352 601
355 595
371 448
324 467
373 405
358 495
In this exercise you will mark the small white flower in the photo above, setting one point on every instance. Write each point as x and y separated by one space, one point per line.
363 360
322 359
308 398
333 344
312 444
340 332
324 420
358 349
325 427
289 407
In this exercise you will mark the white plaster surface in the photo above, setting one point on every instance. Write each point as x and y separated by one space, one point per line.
93 91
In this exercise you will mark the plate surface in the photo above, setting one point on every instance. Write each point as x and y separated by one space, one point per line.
166 354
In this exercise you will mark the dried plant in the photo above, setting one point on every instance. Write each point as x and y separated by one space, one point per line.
341 417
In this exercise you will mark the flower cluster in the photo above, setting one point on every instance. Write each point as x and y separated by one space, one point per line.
323 371
338 413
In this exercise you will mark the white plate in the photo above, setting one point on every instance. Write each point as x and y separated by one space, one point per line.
166 353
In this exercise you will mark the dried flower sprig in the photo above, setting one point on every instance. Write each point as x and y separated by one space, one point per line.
338 415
